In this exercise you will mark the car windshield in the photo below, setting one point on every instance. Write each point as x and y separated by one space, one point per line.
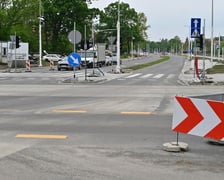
65 58
88 54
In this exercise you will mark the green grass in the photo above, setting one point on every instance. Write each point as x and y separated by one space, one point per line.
141 66
216 69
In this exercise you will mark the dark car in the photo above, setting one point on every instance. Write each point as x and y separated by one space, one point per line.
33 59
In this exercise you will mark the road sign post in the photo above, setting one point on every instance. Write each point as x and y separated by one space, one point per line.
195 27
74 60
199 116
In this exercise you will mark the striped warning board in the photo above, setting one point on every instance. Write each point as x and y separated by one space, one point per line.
199 117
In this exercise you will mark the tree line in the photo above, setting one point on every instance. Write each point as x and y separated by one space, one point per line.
22 17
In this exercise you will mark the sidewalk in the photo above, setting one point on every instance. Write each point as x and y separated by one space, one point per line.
188 76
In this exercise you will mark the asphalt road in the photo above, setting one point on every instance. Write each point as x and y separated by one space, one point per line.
43 75
100 131
165 73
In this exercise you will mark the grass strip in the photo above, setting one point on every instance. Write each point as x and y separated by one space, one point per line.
216 69
141 66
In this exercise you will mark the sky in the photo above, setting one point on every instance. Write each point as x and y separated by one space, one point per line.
170 18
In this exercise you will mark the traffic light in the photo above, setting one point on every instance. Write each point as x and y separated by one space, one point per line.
89 44
199 41
17 42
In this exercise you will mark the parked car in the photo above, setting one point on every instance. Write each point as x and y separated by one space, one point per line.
52 57
64 65
33 59
108 61
114 59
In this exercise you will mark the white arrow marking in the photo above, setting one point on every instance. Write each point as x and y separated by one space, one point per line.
75 60
195 23
210 120
179 114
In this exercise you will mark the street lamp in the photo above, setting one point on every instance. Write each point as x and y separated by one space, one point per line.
189 42
41 19
118 67
212 29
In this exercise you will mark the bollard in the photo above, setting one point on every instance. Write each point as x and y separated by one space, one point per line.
28 66
51 65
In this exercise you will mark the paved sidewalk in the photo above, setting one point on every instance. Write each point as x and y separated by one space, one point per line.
188 76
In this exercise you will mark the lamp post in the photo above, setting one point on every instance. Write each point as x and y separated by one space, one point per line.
189 41
40 34
212 29
132 47
118 68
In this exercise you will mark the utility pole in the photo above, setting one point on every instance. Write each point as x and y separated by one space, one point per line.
212 29
118 68
40 34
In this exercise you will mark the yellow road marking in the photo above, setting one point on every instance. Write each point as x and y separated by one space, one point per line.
69 111
41 136
137 113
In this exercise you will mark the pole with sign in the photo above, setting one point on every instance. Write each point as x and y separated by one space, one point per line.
195 33
195 27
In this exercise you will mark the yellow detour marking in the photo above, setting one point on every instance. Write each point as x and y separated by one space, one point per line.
41 136
137 113
69 111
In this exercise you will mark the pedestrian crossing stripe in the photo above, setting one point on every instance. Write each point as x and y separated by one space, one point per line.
146 76
158 76
170 76
134 75
154 76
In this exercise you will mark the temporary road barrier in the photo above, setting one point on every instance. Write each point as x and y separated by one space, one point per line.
51 65
200 117
28 66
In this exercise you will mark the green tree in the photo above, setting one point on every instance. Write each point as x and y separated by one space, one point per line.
133 25
19 18
59 21
4 26
175 45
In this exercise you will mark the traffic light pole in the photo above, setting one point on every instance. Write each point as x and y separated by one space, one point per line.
40 35
118 68
204 53
15 52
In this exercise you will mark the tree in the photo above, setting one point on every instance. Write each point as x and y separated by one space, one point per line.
4 27
133 25
59 21
21 16
175 45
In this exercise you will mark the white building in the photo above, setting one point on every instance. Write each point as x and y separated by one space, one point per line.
8 53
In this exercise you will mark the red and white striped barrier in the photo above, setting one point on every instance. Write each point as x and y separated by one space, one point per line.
51 65
28 66
200 117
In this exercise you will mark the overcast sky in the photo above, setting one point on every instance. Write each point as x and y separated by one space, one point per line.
169 18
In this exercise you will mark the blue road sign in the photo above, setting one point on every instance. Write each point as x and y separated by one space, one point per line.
195 27
74 59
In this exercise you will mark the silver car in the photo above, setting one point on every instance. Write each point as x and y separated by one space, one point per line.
52 57
64 65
